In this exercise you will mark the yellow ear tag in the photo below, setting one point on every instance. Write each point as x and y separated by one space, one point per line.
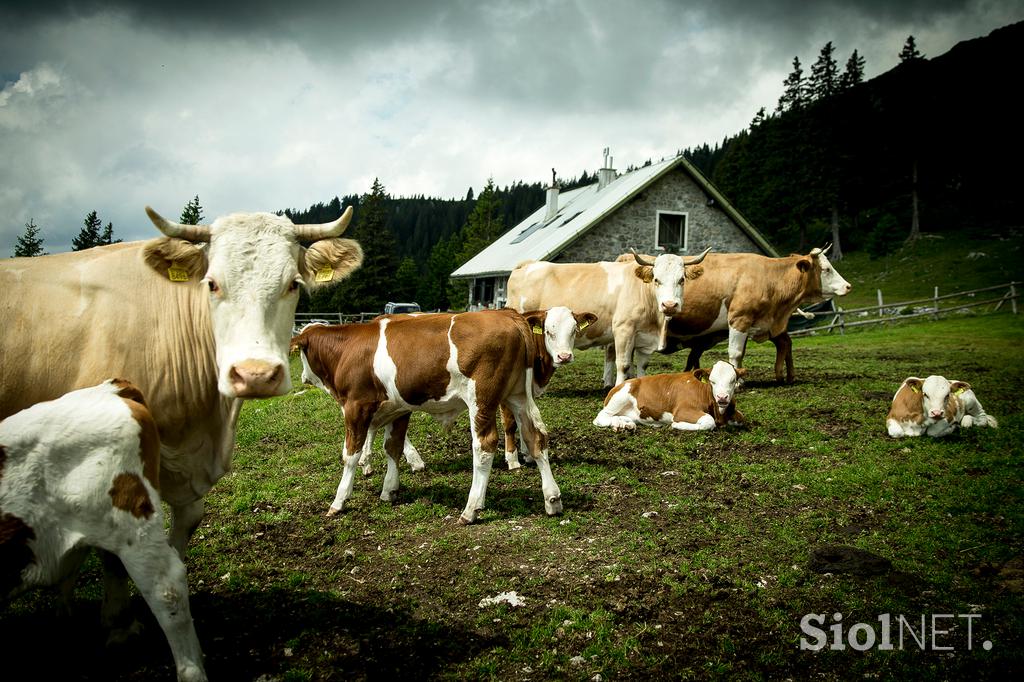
176 274
325 274
915 389
583 325
960 390
538 329
703 380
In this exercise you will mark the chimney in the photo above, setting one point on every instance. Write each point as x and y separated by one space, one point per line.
552 198
607 174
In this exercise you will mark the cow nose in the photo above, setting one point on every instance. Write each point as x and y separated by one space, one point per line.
669 307
565 357
256 378
936 413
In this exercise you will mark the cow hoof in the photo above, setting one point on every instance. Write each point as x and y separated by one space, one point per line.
463 521
417 467
332 512
367 470
513 463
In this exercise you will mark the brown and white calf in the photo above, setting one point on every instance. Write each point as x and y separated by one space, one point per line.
443 364
935 407
698 400
81 472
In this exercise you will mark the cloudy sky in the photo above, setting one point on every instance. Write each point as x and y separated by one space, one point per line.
261 105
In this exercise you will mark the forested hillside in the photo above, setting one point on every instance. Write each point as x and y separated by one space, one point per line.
925 147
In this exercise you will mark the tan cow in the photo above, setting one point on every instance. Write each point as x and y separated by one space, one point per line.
199 320
380 372
935 407
689 401
631 301
746 295
80 472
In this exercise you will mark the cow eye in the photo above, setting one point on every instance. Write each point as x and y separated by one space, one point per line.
210 282
294 286
657 281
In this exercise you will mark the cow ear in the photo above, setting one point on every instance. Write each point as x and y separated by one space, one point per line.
741 371
914 384
694 271
958 387
584 320
645 272
178 260
536 320
328 261
701 375
804 264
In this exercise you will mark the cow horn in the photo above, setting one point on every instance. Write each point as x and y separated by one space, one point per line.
640 260
312 233
192 233
698 259
816 251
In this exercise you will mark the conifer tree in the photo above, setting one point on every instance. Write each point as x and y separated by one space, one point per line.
89 236
910 52
108 236
29 243
370 287
854 73
759 118
192 214
824 74
483 226
794 96
407 278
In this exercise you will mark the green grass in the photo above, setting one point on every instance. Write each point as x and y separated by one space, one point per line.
712 582
914 270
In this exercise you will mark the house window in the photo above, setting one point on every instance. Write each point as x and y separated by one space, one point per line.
483 291
670 234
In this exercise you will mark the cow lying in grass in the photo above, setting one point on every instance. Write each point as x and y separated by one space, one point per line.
443 364
82 472
936 407
690 401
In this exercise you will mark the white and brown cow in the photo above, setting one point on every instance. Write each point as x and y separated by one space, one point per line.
935 407
689 401
82 472
632 301
746 295
443 364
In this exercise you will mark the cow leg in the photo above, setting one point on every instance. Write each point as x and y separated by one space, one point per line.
643 358
367 453
620 412
357 424
412 455
737 346
511 449
536 436
185 519
394 444
692 420
160 577
115 613
693 358
485 443
783 353
624 344
609 365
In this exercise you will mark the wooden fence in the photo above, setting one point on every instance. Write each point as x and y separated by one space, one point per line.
882 311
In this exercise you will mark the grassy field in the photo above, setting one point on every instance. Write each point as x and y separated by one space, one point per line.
678 556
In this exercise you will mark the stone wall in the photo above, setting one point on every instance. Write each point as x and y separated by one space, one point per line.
634 224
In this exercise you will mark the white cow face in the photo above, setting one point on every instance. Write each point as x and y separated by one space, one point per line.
668 273
832 283
724 379
251 272
560 326
936 396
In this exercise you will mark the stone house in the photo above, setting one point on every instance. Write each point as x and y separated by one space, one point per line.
667 206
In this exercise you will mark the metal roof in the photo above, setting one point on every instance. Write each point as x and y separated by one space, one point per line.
578 211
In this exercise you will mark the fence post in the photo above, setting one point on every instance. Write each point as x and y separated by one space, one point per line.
880 304
1013 298
935 315
842 322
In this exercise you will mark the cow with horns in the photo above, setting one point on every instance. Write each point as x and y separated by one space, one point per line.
632 302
